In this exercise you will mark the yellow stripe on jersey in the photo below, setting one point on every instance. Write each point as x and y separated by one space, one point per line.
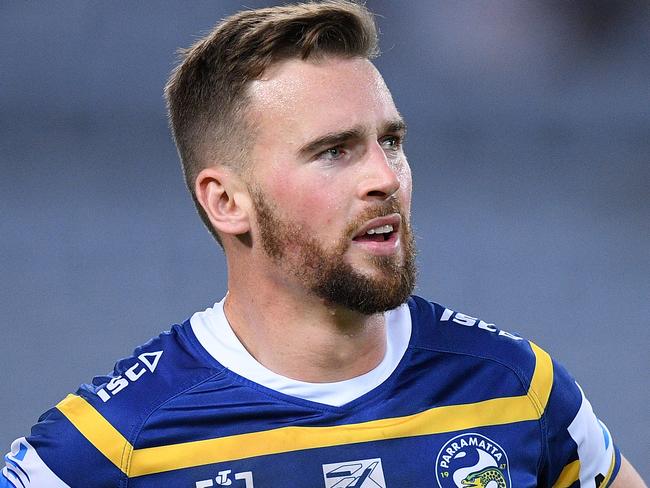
542 381
611 470
496 411
434 421
569 475
94 427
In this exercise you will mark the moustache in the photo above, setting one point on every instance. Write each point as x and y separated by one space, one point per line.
381 209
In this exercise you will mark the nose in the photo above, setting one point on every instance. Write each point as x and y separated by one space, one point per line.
380 179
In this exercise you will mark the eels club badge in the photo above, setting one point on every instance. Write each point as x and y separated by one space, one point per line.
472 460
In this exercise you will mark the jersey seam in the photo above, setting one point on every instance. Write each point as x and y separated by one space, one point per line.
283 397
321 407
137 429
544 451
520 377
518 373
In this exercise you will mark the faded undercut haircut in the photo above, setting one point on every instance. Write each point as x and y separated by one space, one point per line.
206 93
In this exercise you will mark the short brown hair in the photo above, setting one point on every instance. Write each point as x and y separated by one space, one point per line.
206 92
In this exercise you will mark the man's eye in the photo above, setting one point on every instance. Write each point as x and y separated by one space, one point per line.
391 142
331 153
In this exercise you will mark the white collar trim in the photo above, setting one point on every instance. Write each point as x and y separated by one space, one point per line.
215 334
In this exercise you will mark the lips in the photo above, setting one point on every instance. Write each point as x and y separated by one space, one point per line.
380 225
383 239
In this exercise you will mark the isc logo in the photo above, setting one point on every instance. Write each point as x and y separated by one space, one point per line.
467 321
149 362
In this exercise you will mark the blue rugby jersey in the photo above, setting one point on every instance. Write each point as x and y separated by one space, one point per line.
467 405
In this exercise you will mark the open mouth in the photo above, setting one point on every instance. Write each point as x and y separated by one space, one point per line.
380 233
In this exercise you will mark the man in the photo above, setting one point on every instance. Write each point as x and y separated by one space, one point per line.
317 369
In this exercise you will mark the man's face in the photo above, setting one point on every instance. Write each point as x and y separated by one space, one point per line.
330 183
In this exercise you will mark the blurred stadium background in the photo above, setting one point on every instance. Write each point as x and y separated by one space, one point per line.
529 138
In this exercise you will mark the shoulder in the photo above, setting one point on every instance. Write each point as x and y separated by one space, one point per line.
440 328
161 368
474 340
576 445
89 435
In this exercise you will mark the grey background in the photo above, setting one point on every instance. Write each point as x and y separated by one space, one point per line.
529 140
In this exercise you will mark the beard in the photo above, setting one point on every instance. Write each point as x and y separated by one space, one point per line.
325 272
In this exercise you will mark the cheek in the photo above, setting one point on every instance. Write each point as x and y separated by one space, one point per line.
305 200
406 185
403 172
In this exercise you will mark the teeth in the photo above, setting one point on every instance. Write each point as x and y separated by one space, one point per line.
381 230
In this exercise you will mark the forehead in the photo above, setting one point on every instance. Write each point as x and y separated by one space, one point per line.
305 99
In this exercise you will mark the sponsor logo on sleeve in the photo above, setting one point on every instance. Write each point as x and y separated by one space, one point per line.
147 363
468 321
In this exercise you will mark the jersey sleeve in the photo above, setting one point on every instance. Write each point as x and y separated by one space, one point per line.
580 450
74 444
57 455
87 439
25 468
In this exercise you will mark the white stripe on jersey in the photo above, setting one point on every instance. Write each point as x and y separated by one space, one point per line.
595 446
24 463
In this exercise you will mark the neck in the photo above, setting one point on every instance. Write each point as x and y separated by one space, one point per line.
302 337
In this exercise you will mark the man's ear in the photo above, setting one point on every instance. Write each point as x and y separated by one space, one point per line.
223 196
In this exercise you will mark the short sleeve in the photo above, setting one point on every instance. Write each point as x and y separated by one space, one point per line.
57 455
25 468
580 450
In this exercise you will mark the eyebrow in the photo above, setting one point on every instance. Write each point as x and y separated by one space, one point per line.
332 139
355 133
397 125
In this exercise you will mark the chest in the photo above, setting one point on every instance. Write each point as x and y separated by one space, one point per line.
410 451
